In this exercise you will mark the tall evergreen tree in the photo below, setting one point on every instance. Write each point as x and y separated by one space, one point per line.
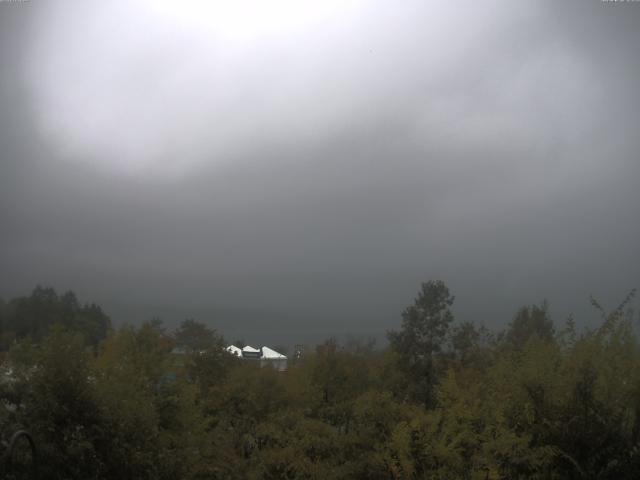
425 325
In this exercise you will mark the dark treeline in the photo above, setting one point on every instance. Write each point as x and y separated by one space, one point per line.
445 399
33 317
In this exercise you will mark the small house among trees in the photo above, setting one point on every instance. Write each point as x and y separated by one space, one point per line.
266 356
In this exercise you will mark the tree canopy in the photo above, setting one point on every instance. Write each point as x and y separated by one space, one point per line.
445 400
35 315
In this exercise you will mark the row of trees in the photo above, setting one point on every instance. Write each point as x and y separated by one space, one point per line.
33 316
445 400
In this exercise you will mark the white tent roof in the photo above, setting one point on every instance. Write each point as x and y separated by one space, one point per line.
249 348
268 353
233 350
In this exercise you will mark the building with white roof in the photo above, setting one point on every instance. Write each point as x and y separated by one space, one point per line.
274 359
266 356
250 352
270 354
233 350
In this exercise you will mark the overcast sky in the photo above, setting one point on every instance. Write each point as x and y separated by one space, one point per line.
286 170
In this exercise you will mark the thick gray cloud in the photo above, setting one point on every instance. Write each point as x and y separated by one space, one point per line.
307 166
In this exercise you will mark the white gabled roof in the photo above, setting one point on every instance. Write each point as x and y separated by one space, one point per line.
249 348
233 350
269 354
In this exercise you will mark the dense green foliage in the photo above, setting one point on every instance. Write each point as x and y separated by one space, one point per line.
445 400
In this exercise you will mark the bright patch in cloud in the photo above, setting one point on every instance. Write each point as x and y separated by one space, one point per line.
159 86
